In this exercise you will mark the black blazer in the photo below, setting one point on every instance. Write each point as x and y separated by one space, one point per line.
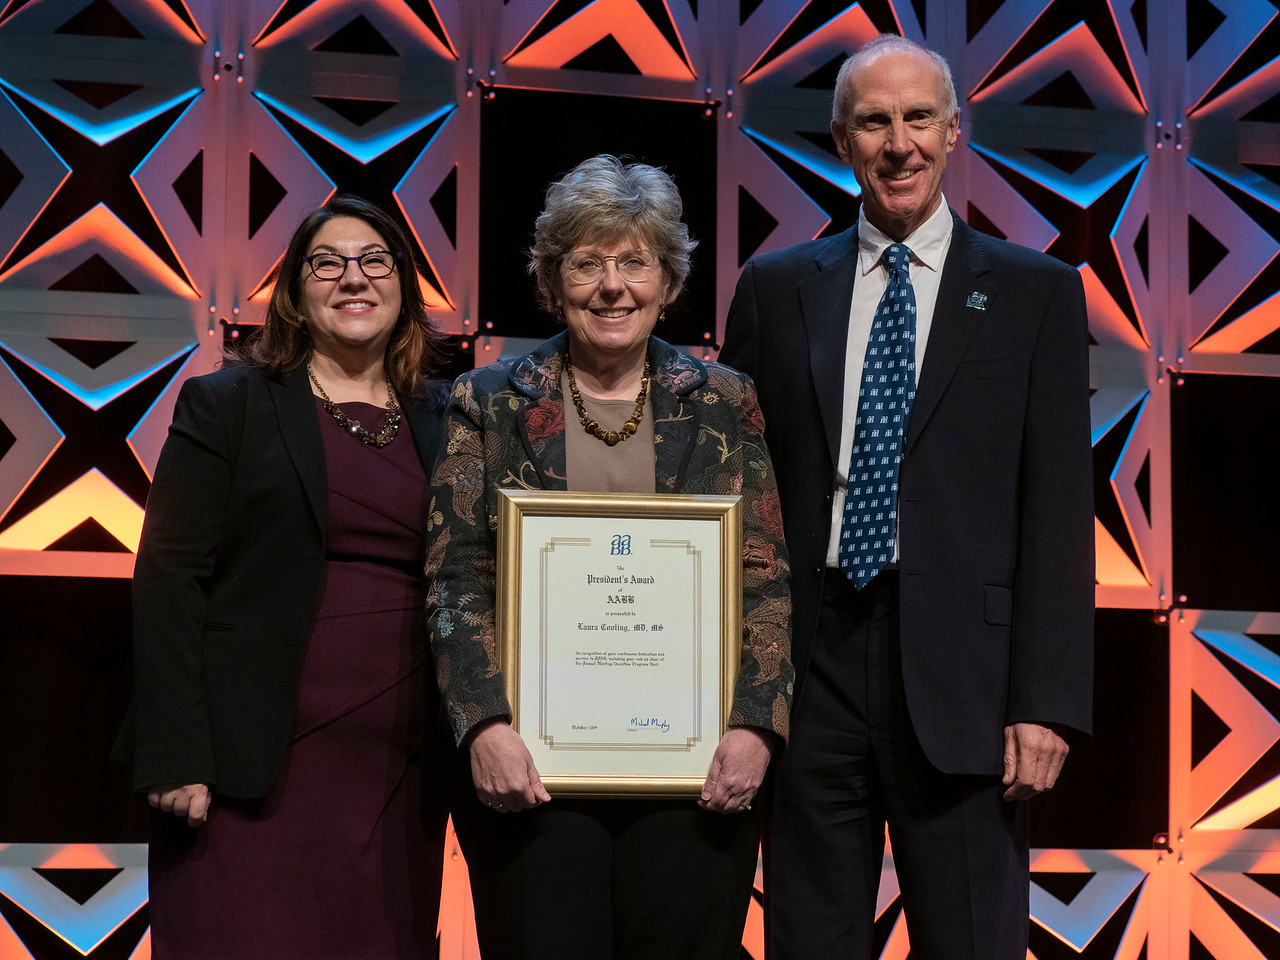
995 486
228 576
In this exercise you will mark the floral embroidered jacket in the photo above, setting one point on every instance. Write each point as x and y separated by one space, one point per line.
505 428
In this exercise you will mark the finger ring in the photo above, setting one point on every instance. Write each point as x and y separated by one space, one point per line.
497 806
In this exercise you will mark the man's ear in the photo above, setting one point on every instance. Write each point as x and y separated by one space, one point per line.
953 130
840 135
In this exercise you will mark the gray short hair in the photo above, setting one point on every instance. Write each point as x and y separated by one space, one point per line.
842 100
603 200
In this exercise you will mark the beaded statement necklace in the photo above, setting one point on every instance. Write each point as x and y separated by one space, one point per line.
379 439
611 437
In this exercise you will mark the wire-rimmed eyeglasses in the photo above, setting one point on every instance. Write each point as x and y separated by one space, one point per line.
375 264
587 266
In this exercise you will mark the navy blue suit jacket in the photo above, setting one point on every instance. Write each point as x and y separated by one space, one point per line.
995 487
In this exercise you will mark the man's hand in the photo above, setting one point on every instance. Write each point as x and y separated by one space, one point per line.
190 800
1033 758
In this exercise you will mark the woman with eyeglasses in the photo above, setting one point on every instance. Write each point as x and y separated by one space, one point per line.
284 725
604 406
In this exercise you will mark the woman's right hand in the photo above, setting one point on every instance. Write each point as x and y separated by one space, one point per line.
502 769
190 800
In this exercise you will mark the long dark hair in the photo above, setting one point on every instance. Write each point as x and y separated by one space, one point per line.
284 341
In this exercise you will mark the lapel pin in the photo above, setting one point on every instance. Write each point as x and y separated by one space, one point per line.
978 301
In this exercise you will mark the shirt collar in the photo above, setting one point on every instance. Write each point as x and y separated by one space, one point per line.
928 243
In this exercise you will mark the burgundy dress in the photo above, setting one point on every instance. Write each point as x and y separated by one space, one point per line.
340 859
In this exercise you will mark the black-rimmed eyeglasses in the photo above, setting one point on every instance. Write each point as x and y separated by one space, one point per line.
375 264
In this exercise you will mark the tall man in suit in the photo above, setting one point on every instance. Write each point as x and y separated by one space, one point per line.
937 380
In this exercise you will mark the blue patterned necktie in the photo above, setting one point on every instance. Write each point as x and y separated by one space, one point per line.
868 528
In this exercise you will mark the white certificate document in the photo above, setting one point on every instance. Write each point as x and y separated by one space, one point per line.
620 620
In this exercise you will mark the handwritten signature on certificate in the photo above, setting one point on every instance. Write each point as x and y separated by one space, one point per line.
651 722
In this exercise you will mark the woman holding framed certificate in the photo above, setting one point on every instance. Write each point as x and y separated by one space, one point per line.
606 408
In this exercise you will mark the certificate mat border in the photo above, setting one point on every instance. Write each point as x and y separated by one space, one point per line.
515 505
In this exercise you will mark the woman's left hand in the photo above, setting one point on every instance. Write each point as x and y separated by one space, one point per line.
737 769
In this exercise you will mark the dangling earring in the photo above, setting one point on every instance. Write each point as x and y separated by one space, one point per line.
662 311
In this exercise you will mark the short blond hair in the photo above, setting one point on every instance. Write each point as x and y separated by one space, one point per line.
604 199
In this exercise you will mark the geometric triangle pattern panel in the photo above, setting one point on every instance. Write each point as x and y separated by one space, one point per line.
156 156
73 482
1090 903
1122 449
1232 95
1235 678
90 897
101 87
101 266
367 132
1225 710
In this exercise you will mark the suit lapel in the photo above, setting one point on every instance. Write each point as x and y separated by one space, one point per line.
427 429
540 417
300 432
825 298
966 289
675 422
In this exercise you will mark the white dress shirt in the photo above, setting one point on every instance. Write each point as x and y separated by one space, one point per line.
929 245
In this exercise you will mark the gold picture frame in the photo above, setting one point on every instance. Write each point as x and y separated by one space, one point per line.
607 606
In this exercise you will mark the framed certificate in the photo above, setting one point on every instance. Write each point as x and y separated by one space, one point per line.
619 620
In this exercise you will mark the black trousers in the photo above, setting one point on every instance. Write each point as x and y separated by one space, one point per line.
607 879
853 765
